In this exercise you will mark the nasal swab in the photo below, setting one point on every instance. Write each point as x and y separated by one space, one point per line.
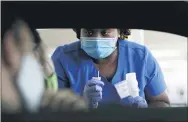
94 103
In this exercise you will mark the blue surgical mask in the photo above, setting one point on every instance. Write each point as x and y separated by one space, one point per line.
98 48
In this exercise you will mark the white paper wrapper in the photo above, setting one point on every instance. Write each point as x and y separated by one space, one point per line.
133 84
122 89
128 87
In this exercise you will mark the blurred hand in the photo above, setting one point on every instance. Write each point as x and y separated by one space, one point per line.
45 62
63 100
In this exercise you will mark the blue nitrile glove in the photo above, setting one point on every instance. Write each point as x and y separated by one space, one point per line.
137 102
93 92
140 102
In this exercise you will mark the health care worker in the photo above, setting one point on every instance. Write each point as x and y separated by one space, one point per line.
98 65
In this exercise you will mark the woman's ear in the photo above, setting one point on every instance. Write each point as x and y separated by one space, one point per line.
119 33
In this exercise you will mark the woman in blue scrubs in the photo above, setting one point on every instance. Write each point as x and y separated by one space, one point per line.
108 52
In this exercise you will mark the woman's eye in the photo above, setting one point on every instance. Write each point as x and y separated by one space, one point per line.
89 32
104 33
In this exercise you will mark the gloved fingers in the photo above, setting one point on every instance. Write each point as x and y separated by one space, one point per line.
139 99
96 82
95 94
94 88
129 100
140 105
96 99
137 102
93 104
140 102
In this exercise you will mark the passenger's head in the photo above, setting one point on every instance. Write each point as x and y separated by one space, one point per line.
24 37
17 41
22 76
100 43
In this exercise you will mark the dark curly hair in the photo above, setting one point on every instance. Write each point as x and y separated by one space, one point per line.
124 33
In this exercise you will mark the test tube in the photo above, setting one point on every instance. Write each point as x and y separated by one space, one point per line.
98 76
94 103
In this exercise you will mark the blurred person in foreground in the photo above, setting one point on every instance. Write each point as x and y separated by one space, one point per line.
25 73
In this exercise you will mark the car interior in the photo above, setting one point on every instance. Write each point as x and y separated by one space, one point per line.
161 26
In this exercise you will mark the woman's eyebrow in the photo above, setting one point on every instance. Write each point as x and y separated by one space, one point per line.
107 29
88 29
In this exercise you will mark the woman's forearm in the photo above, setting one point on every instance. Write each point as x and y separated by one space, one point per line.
158 104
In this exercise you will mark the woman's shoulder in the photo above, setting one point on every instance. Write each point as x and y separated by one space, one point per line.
132 46
74 46
66 49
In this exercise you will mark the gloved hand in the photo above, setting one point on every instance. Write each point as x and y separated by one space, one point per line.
137 102
93 92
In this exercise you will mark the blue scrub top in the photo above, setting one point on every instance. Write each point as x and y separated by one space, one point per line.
74 67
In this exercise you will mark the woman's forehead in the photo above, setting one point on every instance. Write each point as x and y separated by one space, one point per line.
99 29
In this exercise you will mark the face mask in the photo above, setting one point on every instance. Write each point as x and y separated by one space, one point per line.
31 83
98 47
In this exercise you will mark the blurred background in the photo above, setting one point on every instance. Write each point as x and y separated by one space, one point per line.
169 49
